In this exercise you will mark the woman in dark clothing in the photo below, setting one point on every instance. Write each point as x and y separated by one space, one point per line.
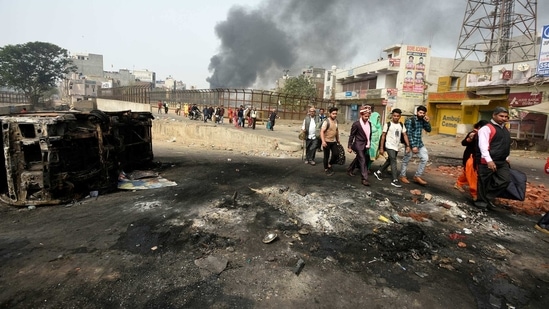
469 174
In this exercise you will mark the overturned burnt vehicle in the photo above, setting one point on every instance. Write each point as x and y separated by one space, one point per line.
54 158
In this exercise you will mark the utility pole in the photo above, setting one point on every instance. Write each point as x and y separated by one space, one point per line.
496 32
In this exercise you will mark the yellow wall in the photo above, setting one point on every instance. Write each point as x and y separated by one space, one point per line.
447 121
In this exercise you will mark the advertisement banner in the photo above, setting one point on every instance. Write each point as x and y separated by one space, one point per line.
543 62
448 120
415 69
524 99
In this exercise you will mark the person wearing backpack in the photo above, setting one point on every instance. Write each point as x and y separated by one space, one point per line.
329 134
393 133
311 128
414 128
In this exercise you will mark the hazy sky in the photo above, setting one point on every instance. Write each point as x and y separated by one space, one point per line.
235 43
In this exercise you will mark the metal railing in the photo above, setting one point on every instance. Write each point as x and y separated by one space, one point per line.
288 107
13 97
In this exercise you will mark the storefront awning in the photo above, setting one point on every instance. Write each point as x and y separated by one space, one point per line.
474 102
542 108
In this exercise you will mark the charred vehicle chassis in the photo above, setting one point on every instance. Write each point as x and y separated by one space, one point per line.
54 158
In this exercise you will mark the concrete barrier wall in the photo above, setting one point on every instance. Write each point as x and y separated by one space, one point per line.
116 106
197 133
211 135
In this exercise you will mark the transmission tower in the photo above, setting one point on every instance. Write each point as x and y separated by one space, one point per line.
495 32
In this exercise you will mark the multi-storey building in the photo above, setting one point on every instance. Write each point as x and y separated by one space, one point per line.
402 80
88 65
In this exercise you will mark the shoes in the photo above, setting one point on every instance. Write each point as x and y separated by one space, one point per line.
313 163
378 175
350 173
481 205
365 182
395 183
459 188
419 180
306 162
329 171
541 229
403 179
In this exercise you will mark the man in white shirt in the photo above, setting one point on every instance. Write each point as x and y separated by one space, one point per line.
393 133
311 128
494 147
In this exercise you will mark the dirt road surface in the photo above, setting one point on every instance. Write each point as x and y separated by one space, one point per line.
200 244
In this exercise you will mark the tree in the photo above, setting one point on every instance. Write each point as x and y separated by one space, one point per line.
299 86
33 67
301 90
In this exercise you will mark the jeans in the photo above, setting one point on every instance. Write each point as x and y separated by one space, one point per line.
423 156
392 160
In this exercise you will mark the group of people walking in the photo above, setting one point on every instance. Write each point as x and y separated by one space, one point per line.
485 158
368 138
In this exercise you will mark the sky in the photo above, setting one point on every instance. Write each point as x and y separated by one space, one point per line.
236 43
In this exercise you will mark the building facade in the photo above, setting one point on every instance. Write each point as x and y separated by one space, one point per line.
514 85
402 80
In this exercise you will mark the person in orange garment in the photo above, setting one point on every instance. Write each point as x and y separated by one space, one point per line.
469 174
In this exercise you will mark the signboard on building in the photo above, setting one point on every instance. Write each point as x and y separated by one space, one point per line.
524 99
392 92
415 68
394 62
448 120
373 94
543 60
507 75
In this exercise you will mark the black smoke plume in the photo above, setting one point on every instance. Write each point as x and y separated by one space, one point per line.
258 44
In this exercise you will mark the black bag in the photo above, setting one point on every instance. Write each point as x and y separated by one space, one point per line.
340 154
516 190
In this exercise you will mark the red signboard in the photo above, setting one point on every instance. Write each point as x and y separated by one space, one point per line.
524 99
507 75
394 62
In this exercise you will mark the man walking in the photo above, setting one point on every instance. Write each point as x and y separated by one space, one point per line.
205 113
494 147
321 117
414 127
360 142
329 134
272 118
160 106
253 114
392 134
311 127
